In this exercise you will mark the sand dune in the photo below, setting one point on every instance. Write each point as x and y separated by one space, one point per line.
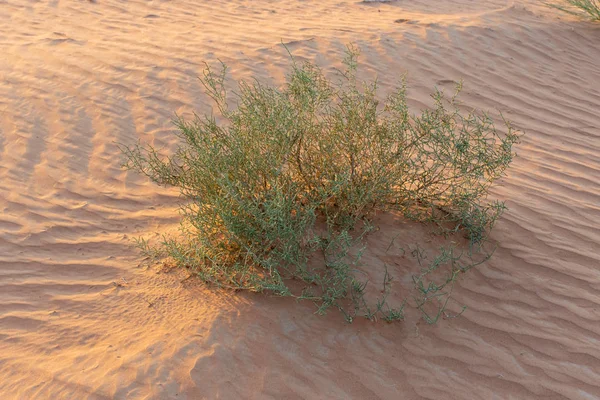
80 317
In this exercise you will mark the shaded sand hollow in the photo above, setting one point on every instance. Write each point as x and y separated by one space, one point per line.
80 317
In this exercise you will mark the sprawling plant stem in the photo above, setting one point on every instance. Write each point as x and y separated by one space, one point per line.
316 153
586 8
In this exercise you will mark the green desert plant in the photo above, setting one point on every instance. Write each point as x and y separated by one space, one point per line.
281 187
587 8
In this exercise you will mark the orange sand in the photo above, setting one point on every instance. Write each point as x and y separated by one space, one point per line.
80 318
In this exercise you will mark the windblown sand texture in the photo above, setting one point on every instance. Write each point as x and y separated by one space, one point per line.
81 318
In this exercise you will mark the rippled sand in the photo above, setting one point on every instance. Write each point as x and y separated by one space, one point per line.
80 317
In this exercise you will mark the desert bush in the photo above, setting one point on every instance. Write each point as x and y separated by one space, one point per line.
281 186
587 8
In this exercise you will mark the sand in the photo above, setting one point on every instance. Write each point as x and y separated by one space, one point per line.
82 316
